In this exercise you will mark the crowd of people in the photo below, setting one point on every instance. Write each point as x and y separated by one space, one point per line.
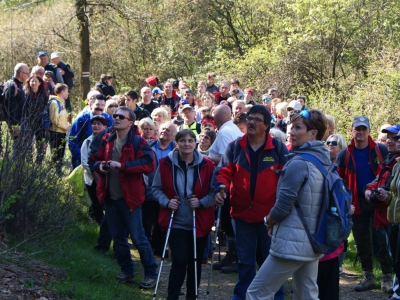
166 157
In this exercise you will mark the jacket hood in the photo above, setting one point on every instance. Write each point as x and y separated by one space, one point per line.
315 148
173 156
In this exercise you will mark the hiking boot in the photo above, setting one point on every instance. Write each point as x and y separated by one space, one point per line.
125 278
148 283
367 283
232 268
386 283
226 261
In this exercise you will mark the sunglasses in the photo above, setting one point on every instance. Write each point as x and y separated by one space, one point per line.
332 143
113 105
255 119
121 117
266 99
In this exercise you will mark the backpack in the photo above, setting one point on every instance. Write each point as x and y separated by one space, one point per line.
46 114
338 195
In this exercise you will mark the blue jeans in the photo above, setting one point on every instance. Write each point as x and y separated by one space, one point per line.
246 235
121 219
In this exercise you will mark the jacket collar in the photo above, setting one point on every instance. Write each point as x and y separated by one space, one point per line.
371 144
243 142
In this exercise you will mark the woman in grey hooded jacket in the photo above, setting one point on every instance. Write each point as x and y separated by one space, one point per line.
291 253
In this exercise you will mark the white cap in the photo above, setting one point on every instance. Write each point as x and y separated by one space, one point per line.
54 55
295 105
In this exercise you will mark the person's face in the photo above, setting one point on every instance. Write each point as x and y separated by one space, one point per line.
159 118
188 96
301 101
64 94
34 83
242 127
112 108
333 146
234 86
299 134
188 115
186 145
273 108
204 141
146 94
130 103
147 131
48 78
97 127
224 89
266 103
273 94
167 133
211 80
43 60
360 133
24 73
201 88
56 61
39 74
207 126
383 140
236 95
238 108
247 96
168 88
198 102
98 106
123 122
255 125
390 143
208 101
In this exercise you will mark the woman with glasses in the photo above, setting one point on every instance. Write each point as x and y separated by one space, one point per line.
291 254
111 107
206 139
334 143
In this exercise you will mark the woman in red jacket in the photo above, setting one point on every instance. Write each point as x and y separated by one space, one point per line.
186 174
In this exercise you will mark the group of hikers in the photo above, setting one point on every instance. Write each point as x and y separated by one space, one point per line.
162 169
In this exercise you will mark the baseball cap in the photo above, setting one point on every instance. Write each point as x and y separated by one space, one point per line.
250 91
157 91
49 72
183 101
100 118
187 106
361 121
294 104
152 80
41 53
54 55
393 129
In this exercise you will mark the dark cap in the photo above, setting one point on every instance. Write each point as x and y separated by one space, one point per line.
392 129
41 53
100 118
361 121
49 72
99 97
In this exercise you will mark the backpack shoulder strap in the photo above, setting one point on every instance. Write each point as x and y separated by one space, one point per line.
198 128
315 162
378 153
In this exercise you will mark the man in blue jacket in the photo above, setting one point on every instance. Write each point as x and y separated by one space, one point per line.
81 129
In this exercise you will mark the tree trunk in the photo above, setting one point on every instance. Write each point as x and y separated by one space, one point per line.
83 21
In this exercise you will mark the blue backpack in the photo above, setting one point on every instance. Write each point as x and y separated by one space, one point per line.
336 195
46 114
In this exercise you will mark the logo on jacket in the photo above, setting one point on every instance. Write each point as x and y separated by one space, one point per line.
269 158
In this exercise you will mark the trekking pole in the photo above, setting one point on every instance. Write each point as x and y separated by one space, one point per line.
195 252
221 192
163 254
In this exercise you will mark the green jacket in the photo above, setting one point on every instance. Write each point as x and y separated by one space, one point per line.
393 211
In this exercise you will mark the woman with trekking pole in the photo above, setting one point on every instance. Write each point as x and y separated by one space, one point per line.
183 186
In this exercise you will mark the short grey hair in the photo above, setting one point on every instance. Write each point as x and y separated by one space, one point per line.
18 68
169 124
36 69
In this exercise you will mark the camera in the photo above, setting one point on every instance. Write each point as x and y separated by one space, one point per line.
106 167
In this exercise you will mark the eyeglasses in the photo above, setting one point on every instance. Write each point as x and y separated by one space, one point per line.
121 117
332 143
255 119
113 105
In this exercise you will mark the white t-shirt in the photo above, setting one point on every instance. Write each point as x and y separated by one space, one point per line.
226 134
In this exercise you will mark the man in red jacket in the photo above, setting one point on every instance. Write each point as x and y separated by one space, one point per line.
121 160
249 169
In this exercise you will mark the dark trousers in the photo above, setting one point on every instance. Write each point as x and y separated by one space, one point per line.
328 279
226 221
57 146
394 243
150 212
182 248
363 239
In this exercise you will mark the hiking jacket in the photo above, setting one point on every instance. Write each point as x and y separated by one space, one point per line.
58 118
393 211
170 181
32 112
57 78
134 163
235 173
13 102
174 106
302 182
347 170
380 212
108 90
141 113
68 74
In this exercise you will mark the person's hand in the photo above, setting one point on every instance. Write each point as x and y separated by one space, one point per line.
352 209
194 203
367 195
173 204
104 167
114 165
219 200
270 228
61 71
381 195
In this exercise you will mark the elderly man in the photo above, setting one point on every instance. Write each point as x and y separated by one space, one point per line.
223 92
189 115
66 73
14 98
121 160
238 106
81 129
248 170
147 103
43 61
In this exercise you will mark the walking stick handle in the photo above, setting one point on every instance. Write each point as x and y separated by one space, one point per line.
222 190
